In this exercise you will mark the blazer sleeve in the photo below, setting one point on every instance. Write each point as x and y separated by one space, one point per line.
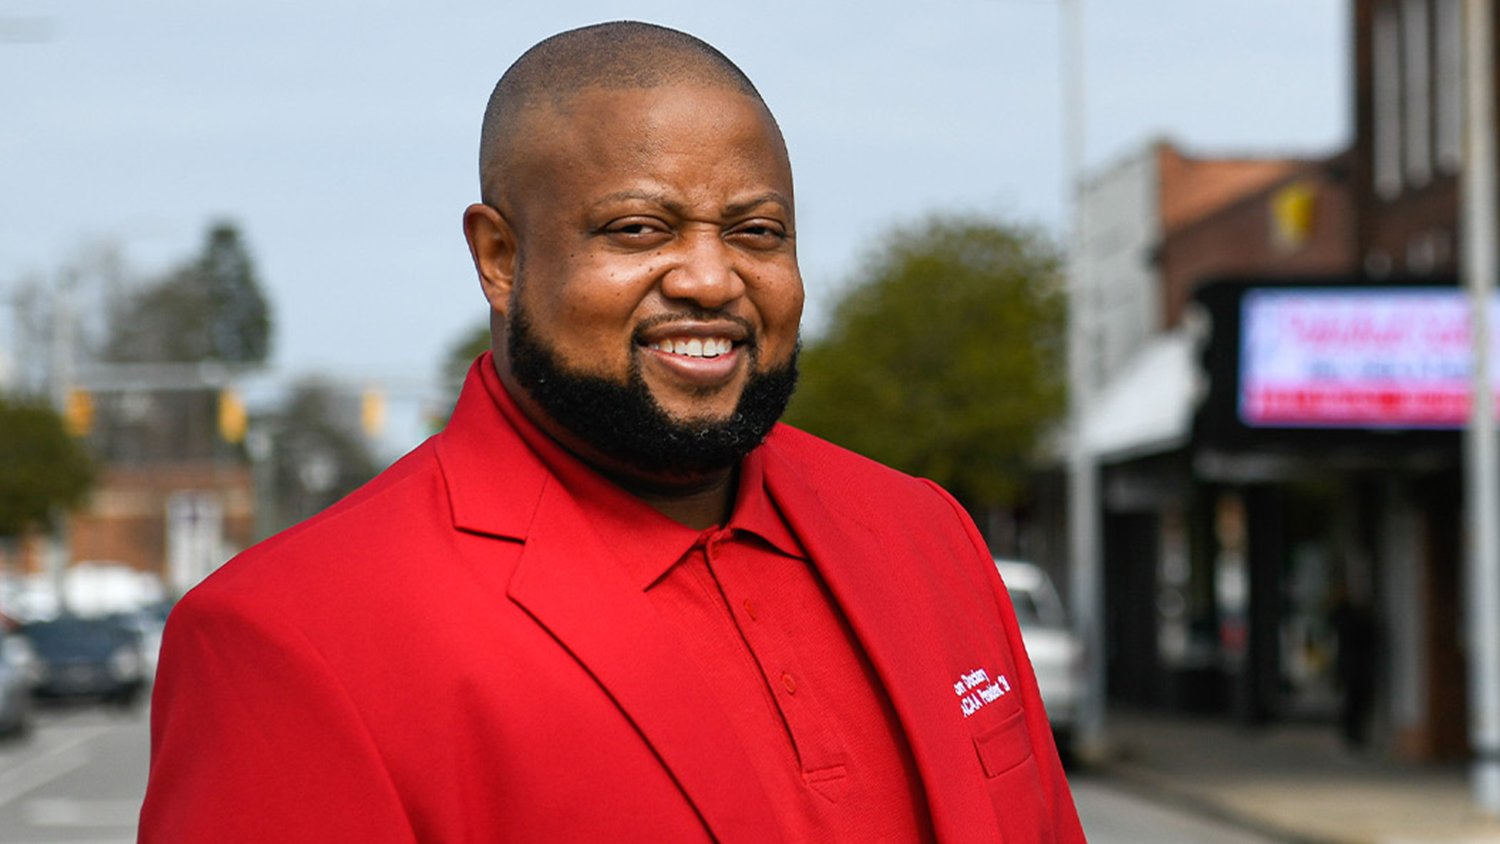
253 740
1065 825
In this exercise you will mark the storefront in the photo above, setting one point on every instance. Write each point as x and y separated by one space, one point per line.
1297 554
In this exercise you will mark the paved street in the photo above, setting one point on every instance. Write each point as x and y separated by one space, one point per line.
1112 816
80 776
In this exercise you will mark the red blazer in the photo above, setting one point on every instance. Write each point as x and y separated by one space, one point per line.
451 655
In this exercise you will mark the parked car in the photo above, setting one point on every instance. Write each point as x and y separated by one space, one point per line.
1055 652
15 685
150 622
87 657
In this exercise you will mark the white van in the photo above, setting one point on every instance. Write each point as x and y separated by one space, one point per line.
1055 652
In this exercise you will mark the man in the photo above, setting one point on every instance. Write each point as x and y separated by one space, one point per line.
614 600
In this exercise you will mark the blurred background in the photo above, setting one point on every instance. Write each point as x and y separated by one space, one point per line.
1170 299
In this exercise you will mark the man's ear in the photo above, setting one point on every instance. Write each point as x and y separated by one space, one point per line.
492 243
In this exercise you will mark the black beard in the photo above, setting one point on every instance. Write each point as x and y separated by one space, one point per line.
624 422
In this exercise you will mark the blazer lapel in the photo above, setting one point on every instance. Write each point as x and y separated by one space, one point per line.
569 582
903 639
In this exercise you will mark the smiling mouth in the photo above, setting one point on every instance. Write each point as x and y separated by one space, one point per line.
693 347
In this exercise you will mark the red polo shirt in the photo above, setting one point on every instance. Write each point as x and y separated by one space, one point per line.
769 639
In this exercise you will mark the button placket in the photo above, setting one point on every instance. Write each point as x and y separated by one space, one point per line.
817 745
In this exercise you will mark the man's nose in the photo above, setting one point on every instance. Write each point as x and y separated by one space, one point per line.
705 272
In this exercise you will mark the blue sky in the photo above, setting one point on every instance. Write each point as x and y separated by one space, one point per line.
341 135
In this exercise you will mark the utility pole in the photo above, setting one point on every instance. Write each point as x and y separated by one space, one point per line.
1482 472
10 358
1086 576
63 364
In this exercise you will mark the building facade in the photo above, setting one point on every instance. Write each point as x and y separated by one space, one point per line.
1278 573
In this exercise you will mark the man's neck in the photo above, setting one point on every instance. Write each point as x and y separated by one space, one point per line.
699 505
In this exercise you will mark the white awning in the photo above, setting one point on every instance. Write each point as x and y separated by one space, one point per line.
1148 407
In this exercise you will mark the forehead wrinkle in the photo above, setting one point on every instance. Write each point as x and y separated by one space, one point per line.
666 200
537 127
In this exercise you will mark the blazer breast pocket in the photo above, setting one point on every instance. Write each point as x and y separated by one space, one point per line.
1005 745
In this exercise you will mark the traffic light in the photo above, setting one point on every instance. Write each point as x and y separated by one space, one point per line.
372 411
78 413
233 420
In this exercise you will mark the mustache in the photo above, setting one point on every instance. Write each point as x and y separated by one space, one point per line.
752 337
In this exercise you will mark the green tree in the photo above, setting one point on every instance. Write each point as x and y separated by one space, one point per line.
946 359
469 345
42 468
320 453
209 309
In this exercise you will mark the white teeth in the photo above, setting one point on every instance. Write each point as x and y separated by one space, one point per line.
694 347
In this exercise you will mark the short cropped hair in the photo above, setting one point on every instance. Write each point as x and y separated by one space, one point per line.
617 55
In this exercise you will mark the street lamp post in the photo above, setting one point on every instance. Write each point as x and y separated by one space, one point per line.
1482 473
1085 570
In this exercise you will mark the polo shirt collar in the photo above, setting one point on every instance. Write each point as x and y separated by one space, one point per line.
647 542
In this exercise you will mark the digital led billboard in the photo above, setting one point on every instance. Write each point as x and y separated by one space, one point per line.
1356 357
1366 368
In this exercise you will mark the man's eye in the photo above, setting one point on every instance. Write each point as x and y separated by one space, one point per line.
761 235
637 232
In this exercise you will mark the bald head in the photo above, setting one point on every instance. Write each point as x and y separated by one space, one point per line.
619 55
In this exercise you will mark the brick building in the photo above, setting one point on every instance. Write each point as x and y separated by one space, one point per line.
1224 555
178 520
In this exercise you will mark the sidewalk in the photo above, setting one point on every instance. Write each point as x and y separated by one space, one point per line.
1295 782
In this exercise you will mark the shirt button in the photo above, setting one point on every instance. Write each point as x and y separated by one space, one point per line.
750 610
789 682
